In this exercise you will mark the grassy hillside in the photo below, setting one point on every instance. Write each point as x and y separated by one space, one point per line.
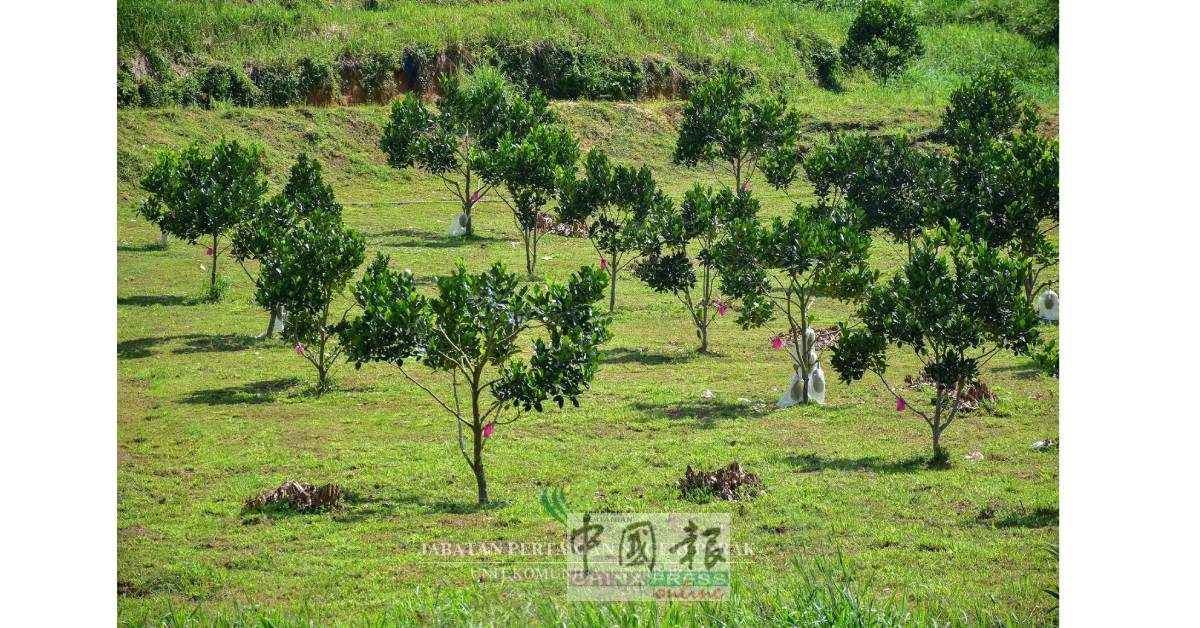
288 52
209 415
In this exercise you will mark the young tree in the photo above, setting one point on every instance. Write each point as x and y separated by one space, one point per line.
1005 193
618 200
471 330
723 123
255 237
203 192
897 187
701 221
956 308
781 269
883 38
531 169
475 113
309 263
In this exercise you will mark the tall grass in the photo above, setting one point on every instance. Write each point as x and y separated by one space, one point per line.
766 39
818 595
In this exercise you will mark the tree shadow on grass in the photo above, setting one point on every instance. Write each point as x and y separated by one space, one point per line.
703 412
357 507
140 248
155 299
194 343
811 463
424 239
1028 370
633 356
257 392
1037 518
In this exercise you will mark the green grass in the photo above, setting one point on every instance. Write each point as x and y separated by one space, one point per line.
768 39
208 415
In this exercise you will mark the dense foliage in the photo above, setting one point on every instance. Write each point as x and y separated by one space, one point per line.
615 202
204 192
473 330
897 187
702 222
883 38
779 269
955 303
454 143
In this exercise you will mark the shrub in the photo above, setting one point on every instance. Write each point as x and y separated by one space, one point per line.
227 84
724 124
955 303
127 89
987 106
319 79
203 192
883 39
454 143
701 224
614 201
780 269
472 331
279 83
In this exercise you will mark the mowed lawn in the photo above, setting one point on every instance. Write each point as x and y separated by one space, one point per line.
209 415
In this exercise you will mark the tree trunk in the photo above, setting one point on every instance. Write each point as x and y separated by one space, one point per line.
805 367
612 286
704 339
530 251
477 436
271 323
212 284
164 240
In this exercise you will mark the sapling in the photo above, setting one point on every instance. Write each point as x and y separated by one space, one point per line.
476 331
475 113
780 270
308 266
530 170
701 221
255 237
726 124
614 201
201 193
956 303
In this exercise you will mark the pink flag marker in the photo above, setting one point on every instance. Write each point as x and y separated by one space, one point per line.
488 430
299 348
603 263
209 252
777 342
475 197
721 309
900 405
745 185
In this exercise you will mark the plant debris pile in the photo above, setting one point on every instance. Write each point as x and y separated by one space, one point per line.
300 496
970 398
730 483
548 224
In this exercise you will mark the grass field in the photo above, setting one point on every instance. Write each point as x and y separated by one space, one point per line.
208 416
